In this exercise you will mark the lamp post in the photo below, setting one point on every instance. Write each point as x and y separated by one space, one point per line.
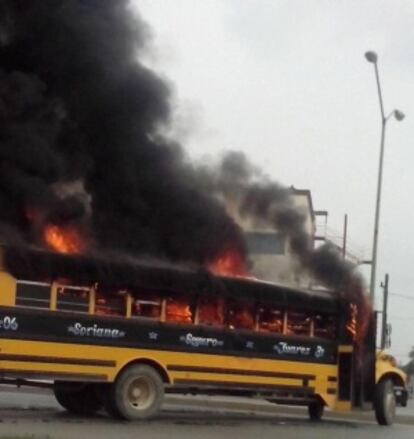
399 115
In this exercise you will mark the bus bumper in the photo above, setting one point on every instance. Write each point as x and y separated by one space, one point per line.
401 396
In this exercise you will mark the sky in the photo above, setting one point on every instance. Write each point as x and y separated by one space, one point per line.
286 82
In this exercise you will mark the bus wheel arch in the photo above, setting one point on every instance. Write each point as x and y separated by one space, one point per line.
152 363
394 377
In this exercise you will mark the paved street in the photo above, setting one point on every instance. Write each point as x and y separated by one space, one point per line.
36 413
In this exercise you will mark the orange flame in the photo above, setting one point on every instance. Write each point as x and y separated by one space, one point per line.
229 263
63 239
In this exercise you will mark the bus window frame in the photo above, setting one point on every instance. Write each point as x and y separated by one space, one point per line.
87 289
36 283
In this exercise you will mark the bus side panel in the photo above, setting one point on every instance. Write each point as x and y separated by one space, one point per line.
67 361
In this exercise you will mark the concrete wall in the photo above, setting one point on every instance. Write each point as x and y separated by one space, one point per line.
272 259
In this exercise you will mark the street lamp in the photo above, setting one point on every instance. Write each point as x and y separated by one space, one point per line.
399 115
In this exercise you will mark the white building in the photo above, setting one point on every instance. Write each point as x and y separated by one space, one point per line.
270 255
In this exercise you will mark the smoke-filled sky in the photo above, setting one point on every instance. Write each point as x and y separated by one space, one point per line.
287 83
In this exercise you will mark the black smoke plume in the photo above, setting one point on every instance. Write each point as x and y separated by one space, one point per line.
79 144
77 108
271 204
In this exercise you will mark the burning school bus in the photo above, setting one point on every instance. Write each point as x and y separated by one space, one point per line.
120 334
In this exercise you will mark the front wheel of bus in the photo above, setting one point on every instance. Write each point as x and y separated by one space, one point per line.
315 410
384 402
137 393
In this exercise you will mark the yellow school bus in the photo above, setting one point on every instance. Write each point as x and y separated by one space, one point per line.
120 334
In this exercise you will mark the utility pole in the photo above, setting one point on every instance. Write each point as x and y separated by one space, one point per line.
384 312
345 236
399 115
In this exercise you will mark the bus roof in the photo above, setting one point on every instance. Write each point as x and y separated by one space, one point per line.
137 275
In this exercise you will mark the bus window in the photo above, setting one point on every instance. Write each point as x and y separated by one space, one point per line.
70 298
240 315
178 309
33 294
298 323
270 319
211 311
110 303
148 304
324 326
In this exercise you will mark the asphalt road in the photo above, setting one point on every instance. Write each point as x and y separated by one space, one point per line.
37 415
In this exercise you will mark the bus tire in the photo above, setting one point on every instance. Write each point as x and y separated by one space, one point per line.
137 393
315 411
385 402
80 399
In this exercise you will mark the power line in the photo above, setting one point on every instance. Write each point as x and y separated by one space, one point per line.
402 296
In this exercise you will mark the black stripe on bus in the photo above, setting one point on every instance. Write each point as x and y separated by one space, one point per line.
53 375
56 360
332 379
239 385
331 391
218 370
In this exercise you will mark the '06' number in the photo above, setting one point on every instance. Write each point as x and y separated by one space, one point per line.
9 323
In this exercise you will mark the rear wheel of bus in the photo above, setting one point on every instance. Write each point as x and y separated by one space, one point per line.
315 410
78 398
385 402
137 393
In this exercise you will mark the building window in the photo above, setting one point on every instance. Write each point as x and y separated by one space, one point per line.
265 243
33 294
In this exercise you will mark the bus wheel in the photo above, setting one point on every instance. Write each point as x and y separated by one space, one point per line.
384 402
137 393
315 410
80 399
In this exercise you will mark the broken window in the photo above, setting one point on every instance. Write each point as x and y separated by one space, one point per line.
211 311
110 302
298 323
71 298
270 319
240 314
324 326
178 309
146 304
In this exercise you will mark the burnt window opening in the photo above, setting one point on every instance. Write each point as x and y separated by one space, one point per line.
33 294
298 323
211 311
71 298
110 302
240 315
270 319
325 326
147 305
265 243
179 309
